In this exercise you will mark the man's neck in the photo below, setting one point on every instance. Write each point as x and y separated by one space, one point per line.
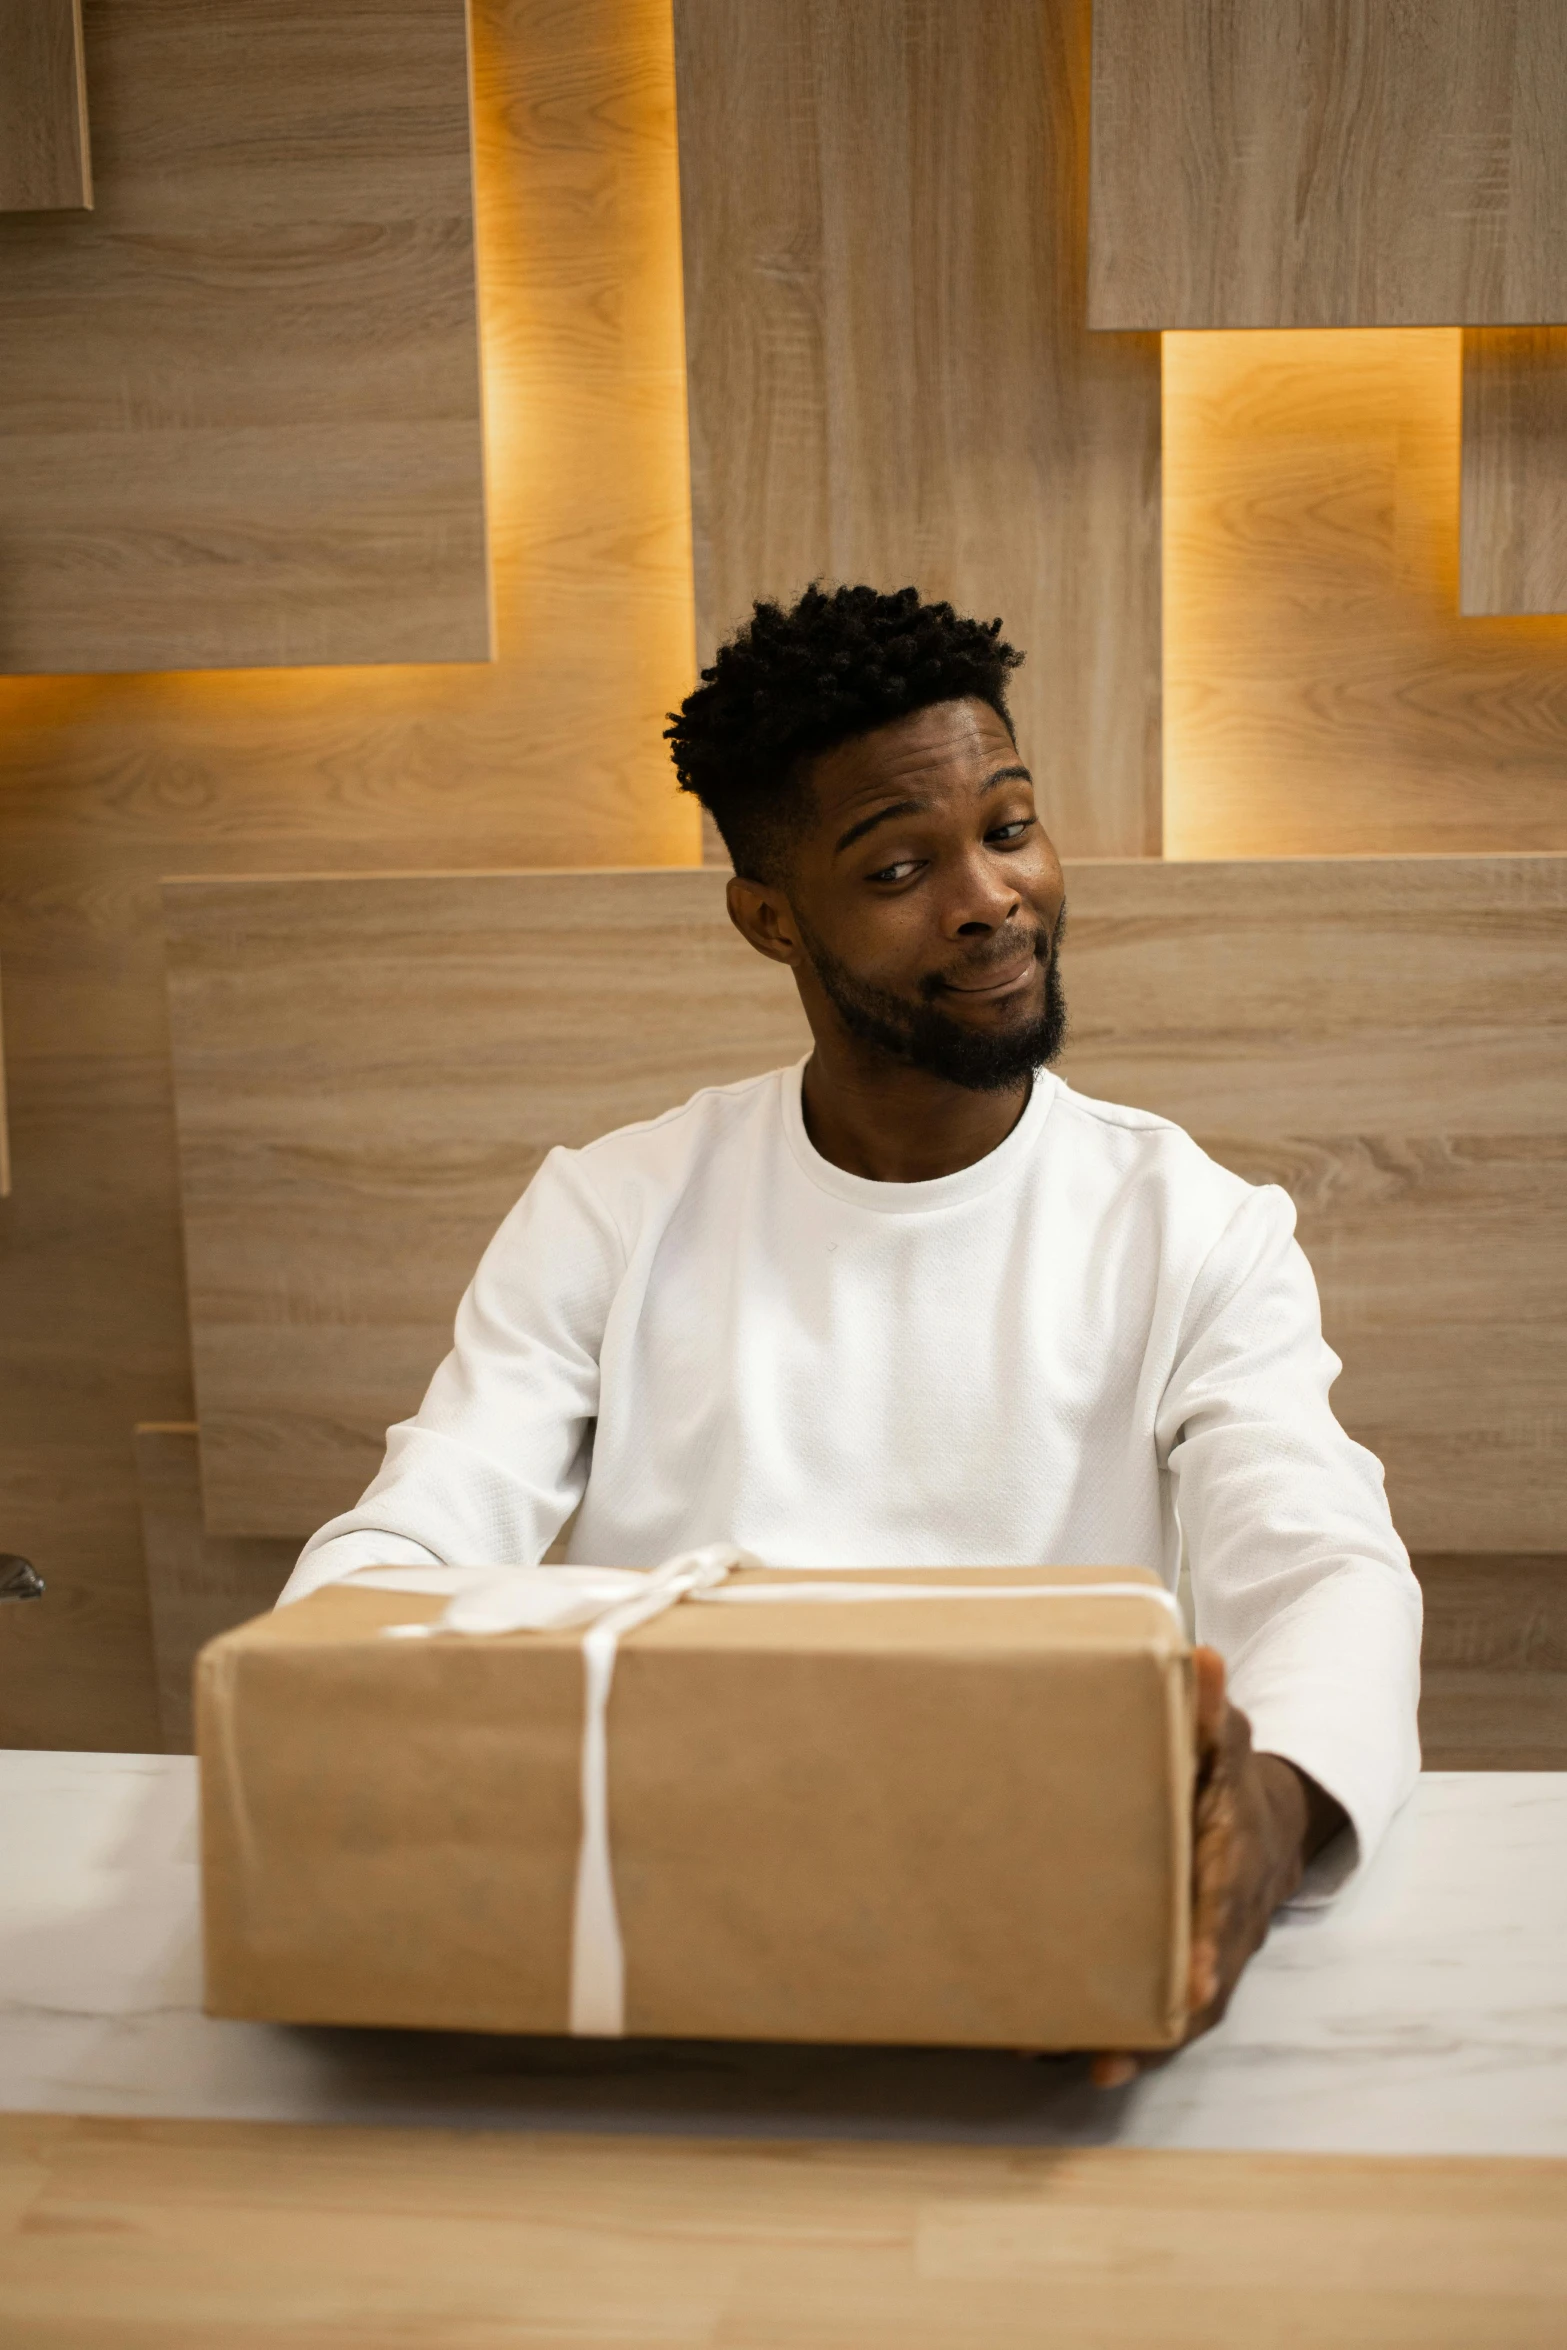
891 1124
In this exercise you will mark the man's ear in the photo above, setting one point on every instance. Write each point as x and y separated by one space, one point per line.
764 919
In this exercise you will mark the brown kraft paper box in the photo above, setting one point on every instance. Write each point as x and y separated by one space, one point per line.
948 1821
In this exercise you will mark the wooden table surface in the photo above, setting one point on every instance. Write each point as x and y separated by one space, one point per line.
137 2235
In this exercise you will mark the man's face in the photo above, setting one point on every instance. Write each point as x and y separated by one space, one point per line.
924 900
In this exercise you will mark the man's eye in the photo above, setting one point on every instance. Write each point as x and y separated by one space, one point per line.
898 872
1013 831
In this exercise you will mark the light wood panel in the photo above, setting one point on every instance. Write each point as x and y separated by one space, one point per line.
5 1123
122 2233
1386 1039
369 1070
1493 1667
549 756
198 1584
1514 532
44 161
1291 163
890 378
1322 695
242 400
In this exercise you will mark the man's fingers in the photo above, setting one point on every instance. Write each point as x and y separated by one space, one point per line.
1213 1884
1111 2070
1208 1668
1221 1742
1203 1980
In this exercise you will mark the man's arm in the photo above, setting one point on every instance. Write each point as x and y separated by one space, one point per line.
1305 1606
494 1461
1298 1578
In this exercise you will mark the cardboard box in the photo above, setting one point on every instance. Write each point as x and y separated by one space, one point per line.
940 1820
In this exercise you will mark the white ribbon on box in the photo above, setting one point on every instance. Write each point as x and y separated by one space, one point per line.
610 1602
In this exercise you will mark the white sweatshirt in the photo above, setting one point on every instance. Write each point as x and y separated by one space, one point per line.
699 1330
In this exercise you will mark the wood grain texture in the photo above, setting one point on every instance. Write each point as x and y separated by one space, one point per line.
1513 541
890 378
94 1338
242 400
550 756
5 1123
332 1221
1493 1667
1316 163
45 165
119 2234
1385 1038
198 1584
1322 694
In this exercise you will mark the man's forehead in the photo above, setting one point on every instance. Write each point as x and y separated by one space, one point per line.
947 741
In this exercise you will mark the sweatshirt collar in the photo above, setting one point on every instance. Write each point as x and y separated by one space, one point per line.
910 1199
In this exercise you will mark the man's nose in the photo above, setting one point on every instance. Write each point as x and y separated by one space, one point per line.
978 900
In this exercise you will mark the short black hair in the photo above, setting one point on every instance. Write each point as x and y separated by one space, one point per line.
791 684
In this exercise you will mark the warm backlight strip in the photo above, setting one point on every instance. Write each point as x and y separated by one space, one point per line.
1322 696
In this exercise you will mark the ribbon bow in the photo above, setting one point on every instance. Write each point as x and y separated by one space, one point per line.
610 1601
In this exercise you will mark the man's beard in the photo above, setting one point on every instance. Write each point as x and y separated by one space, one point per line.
925 1037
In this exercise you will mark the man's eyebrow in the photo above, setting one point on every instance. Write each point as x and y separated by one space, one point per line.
869 823
1014 774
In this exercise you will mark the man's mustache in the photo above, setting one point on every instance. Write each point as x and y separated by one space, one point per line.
998 950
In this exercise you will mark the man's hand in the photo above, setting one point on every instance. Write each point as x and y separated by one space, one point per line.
1258 1821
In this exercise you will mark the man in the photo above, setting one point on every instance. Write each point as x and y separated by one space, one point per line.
916 1302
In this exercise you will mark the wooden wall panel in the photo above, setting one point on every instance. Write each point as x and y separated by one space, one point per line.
1322 694
1385 1038
242 400
198 1585
368 1072
369 1069
1299 163
549 756
1514 499
1493 1665
884 228
44 161
5 1123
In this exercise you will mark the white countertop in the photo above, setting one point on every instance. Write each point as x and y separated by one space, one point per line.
1424 2013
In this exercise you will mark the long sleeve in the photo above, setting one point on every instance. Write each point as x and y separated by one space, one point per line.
1298 1578
495 1459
